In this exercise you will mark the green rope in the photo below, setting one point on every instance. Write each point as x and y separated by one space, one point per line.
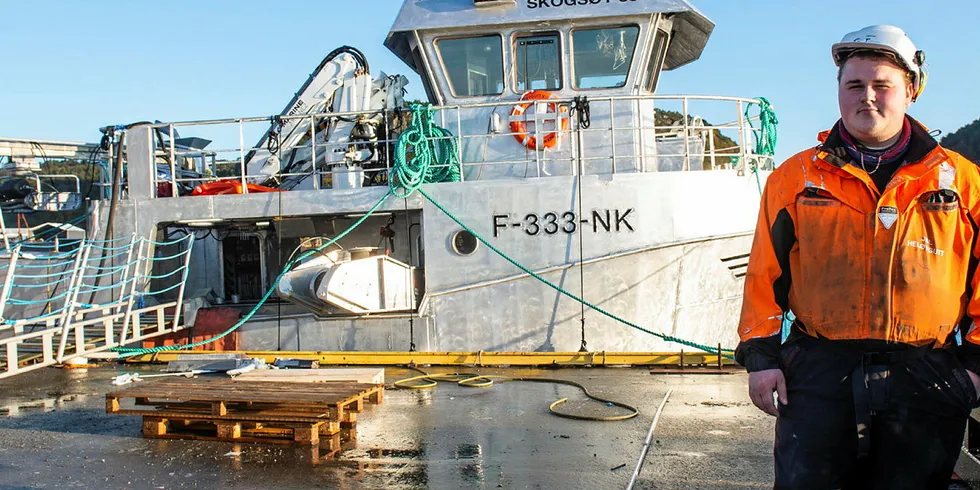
129 352
424 167
409 176
725 352
765 135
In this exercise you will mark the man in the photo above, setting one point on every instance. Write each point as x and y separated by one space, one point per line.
870 240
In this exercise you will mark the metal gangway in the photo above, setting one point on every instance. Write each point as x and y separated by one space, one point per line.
75 298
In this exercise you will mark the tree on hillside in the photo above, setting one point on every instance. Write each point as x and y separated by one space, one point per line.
965 141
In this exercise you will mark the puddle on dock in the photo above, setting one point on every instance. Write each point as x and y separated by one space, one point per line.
41 404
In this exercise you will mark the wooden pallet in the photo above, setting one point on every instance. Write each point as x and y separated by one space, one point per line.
219 408
299 433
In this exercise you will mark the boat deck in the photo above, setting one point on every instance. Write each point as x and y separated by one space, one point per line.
54 432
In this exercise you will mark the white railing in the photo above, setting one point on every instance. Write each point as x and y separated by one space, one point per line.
631 141
95 299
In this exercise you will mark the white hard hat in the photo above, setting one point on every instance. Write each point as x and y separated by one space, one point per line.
886 38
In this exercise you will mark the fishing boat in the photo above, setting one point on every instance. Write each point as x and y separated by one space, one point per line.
545 199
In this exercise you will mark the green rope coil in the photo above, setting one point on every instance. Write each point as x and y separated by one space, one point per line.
765 140
428 142
765 135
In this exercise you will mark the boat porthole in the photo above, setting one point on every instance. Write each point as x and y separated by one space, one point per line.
464 243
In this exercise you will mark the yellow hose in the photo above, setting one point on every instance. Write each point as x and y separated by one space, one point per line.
474 380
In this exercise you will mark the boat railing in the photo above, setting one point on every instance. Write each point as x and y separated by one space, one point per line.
73 178
625 134
56 306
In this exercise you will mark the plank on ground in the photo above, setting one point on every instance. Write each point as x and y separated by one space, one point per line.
228 390
354 404
230 385
260 416
356 375
195 401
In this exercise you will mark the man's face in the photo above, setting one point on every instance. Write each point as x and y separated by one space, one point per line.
873 95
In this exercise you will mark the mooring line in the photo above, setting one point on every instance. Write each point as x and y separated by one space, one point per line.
646 443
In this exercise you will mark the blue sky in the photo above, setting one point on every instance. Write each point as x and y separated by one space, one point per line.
72 67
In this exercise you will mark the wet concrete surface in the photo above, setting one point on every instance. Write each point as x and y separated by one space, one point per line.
54 433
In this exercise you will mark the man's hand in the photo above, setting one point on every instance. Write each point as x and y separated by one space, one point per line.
763 383
973 377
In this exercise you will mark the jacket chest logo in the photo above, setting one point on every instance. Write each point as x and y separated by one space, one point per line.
888 215
926 244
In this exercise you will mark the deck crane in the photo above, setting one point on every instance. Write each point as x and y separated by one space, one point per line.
341 84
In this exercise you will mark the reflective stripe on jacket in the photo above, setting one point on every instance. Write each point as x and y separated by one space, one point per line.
853 263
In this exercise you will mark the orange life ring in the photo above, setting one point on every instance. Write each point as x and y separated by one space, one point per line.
222 187
519 128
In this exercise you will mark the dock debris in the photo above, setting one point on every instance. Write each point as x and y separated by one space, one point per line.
127 378
303 407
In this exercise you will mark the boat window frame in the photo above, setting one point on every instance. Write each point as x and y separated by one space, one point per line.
522 33
418 53
571 52
658 56
448 79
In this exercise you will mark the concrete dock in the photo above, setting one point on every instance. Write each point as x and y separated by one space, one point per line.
54 433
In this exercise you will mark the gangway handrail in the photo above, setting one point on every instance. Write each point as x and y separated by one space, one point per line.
8 280
3 232
119 317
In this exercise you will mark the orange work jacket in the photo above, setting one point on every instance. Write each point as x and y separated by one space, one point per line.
853 263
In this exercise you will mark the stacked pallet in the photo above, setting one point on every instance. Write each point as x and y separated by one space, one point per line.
322 415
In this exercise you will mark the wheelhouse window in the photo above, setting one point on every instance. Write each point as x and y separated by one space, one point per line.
474 66
601 58
538 62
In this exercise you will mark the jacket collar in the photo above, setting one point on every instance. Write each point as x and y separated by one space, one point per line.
920 145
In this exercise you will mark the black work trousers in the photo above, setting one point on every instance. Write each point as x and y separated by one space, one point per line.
857 420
